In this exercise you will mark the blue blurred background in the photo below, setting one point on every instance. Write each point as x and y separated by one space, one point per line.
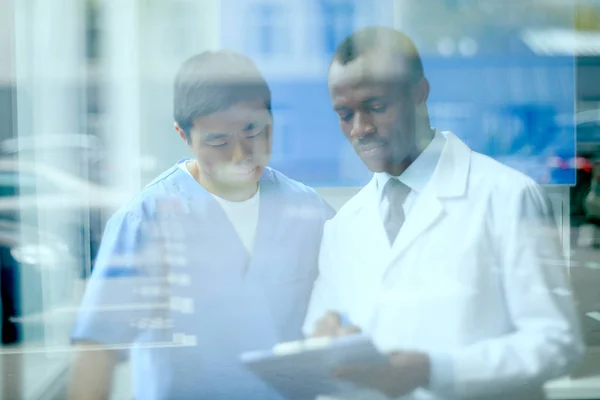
488 86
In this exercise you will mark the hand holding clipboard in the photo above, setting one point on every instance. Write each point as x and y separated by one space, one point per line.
338 360
334 324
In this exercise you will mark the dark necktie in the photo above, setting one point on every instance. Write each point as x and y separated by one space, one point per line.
396 193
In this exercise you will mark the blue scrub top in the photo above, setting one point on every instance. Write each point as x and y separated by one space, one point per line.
174 288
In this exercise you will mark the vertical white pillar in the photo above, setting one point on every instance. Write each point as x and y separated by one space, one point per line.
50 66
144 42
170 33
401 15
120 53
10 365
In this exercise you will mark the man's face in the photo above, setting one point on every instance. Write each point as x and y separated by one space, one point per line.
233 146
377 106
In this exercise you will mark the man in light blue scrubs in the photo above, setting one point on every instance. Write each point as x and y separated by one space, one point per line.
215 257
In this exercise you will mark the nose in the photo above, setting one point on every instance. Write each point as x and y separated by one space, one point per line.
362 125
240 151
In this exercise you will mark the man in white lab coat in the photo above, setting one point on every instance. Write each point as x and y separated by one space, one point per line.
447 258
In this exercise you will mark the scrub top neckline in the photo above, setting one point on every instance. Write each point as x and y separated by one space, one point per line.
244 203
267 215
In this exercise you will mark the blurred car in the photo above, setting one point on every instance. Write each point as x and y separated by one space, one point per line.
588 153
80 207
84 152
564 165
25 253
592 200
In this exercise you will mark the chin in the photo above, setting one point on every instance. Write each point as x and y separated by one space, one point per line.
255 176
243 179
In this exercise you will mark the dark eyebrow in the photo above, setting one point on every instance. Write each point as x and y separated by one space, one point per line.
251 126
341 108
367 101
373 99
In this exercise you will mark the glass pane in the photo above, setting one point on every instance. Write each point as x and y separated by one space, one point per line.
187 186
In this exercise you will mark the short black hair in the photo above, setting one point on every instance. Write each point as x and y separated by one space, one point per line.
380 38
213 81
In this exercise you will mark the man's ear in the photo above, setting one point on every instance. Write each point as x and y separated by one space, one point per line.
181 133
421 91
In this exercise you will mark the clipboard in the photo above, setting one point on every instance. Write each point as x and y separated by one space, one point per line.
302 370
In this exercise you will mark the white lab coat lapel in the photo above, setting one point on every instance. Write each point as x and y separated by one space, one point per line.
425 213
449 180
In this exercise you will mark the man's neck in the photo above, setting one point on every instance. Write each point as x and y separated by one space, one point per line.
423 137
398 168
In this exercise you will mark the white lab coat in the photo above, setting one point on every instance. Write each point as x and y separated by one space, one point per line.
475 279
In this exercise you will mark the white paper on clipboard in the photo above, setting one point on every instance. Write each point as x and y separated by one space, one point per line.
306 373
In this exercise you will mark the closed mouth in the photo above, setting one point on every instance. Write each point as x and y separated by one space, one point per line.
371 148
244 170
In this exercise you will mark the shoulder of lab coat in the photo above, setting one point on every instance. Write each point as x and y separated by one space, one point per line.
324 297
347 213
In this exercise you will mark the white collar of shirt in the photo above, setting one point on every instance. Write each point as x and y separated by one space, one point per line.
419 173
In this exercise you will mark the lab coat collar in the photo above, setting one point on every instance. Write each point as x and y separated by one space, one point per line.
442 168
449 180
452 172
